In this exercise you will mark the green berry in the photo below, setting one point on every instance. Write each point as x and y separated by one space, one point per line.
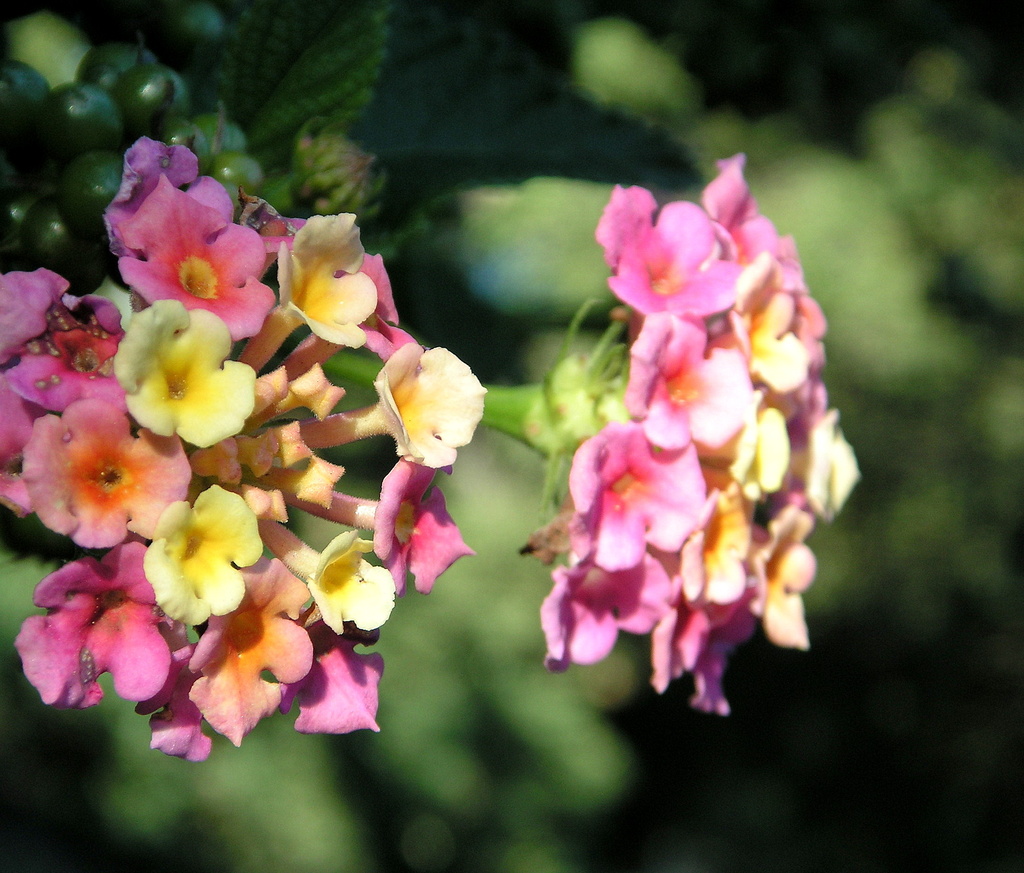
190 26
237 170
78 117
147 93
22 92
178 130
102 64
85 188
14 203
223 135
47 240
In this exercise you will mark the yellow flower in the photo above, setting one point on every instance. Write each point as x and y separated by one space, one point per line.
320 279
831 468
192 561
171 364
762 451
785 568
434 402
347 588
777 356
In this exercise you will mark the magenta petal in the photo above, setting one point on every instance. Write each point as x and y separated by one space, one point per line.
16 419
176 722
688 234
628 495
213 194
406 482
414 534
145 163
101 618
621 539
25 299
575 634
385 339
132 649
339 694
729 202
171 228
436 543
727 197
626 220
72 358
50 648
676 644
373 266
709 291
588 606
719 412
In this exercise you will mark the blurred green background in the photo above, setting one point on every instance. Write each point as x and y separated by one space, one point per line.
888 139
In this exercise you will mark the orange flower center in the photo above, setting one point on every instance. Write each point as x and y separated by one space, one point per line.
682 389
665 278
246 631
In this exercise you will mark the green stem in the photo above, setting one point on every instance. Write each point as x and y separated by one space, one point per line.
352 368
506 408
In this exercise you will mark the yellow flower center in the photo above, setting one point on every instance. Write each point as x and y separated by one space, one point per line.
404 523
341 572
198 278
626 490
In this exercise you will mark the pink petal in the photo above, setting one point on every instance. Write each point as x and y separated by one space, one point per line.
340 693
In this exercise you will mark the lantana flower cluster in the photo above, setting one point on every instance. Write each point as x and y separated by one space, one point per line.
175 450
688 514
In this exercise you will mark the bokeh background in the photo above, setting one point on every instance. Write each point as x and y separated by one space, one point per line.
888 139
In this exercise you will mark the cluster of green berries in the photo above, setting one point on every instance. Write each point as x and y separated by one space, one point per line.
64 150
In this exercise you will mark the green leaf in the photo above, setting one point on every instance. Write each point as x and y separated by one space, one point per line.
457 106
292 63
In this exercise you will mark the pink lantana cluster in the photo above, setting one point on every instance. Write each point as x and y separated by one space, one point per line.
177 448
688 518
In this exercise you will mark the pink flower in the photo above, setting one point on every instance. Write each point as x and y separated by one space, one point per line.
16 418
588 606
176 722
261 635
728 201
699 640
184 247
101 617
145 164
25 300
339 694
414 534
681 391
72 357
628 494
89 478
672 265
